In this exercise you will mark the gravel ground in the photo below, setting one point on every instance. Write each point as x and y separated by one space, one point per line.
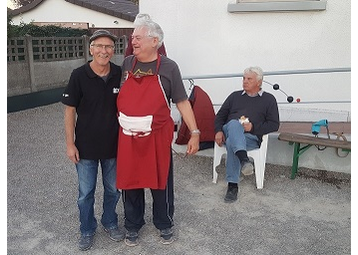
308 215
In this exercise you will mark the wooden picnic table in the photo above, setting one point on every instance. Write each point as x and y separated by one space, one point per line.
309 140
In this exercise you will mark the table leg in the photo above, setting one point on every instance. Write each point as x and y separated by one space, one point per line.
296 154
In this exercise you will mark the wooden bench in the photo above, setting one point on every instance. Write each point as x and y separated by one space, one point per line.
309 140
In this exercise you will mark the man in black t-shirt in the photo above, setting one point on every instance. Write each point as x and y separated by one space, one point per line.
91 129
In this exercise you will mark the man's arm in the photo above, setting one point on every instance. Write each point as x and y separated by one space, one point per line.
187 113
271 123
223 114
220 119
273 118
70 123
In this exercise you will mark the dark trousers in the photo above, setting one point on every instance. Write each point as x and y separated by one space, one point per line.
163 205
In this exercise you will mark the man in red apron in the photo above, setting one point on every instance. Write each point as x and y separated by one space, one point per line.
144 158
138 19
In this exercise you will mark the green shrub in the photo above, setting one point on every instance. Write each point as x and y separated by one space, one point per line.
42 31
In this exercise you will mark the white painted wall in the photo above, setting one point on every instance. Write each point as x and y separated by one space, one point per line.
62 11
205 39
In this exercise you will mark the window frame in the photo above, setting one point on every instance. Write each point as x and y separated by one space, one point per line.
277 5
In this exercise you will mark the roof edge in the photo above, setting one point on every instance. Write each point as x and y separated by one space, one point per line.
26 8
102 10
80 3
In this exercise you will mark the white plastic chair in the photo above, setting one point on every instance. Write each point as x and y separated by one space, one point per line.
259 156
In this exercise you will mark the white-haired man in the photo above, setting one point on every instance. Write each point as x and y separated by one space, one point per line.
151 81
244 117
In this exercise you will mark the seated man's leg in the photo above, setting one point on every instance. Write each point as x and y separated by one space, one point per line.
252 142
237 143
239 140
235 140
234 133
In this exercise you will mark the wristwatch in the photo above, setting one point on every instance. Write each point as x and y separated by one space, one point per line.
195 131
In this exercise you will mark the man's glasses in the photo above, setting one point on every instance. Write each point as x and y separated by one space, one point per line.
101 46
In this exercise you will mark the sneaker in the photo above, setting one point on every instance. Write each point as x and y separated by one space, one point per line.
131 238
231 194
115 234
166 236
85 243
247 168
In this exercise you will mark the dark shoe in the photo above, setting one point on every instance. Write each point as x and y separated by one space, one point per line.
115 234
231 194
131 238
166 236
247 168
85 242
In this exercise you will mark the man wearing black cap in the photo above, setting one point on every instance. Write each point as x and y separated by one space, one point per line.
91 129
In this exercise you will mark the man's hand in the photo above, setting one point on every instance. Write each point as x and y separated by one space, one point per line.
73 153
247 126
193 144
220 138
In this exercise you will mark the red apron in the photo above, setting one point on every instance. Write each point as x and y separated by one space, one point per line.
143 161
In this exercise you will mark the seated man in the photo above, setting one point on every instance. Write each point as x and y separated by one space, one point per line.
243 118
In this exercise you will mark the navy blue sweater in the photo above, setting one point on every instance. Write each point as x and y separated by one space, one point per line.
262 112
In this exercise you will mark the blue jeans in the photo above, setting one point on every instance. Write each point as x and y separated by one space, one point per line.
87 171
236 139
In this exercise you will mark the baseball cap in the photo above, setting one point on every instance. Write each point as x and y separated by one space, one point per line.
103 33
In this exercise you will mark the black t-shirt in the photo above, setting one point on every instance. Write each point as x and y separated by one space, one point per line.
96 132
